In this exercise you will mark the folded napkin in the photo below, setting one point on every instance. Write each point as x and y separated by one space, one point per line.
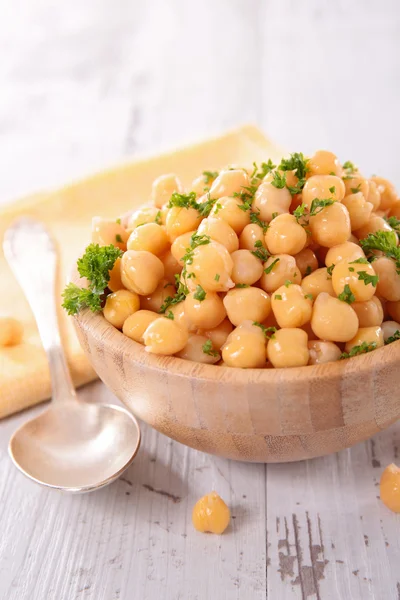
24 374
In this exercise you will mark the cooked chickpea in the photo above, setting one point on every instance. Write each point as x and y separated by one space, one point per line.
356 183
203 182
387 192
366 335
346 251
163 187
219 334
369 313
324 163
105 232
141 271
361 279
359 209
285 235
211 514
194 350
331 226
393 309
389 489
389 282
212 267
181 220
119 306
219 231
290 306
333 320
135 325
288 348
306 261
11 331
229 182
269 200
115 282
228 209
207 313
247 268
150 237
155 300
146 214
181 318
180 246
249 303
171 266
323 352
164 336
318 282
245 347
323 186
277 270
389 328
374 224
374 196
251 235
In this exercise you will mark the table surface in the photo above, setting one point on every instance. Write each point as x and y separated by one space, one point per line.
85 84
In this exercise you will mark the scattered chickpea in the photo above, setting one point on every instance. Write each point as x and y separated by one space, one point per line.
269 200
389 283
106 232
331 226
251 235
360 278
155 300
218 335
359 210
324 162
306 261
347 250
208 312
389 328
228 209
389 489
387 192
323 186
172 267
369 313
220 231
145 214
212 267
115 282
317 282
211 514
229 182
277 270
181 220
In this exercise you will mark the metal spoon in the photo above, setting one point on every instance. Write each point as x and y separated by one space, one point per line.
73 446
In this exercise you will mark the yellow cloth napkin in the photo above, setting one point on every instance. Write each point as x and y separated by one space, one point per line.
24 374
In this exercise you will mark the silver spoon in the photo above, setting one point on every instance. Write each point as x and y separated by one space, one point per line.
73 446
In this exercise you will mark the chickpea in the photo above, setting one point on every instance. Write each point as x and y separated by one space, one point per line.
323 352
164 336
245 347
389 328
353 239
324 163
290 306
277 270
171 266
387 192
150 237
218 335
211 514
359 210
306 261
269 200
115 282
105 232
355 183
181 318
202 183
393 309
228 209
212 267
368 335
369 313
119 306
389 489
247 269
145 214
318 282
163 187
346 251
323 186
229 182
285 235
288 348
141 271
180 245
374 224
11 331
331 226
395 210
181 220
251 235
155 300
219 231
194 351
135 325
389 282
250 303
207 313
374 196
354 274
333 320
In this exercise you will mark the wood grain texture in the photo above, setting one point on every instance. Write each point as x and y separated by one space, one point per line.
87 83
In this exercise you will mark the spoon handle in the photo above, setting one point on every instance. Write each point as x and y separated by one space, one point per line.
32 256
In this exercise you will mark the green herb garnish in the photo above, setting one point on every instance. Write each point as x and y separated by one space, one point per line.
347 295
266 330
279 181
208 349
330 269
209 176
360 349
366 278
393 338
386 242
268 269
199 293
118 238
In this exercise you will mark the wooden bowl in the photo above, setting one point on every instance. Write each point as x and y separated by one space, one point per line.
256 415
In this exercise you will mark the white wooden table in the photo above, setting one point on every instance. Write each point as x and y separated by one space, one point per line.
86 83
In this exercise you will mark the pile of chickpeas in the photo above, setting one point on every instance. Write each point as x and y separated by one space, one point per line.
260 279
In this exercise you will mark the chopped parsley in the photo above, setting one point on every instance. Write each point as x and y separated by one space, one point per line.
318 205
366 278
297 163
261 252
349 166
332 189
330 269
158 218
254 218
199 293
279 180
309 296
386 242
118 221
308 270
208 349
246 196
217 277
209 176
242 285
183 200
355 190
260 172
393 338
347 295
360 261
351 269
170 315
195 241
118 238
360 349
288 282
268 269
274 215
95 264
278 297
266 330
300 212
393 222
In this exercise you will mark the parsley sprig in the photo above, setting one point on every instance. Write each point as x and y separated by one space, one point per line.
260 172
384 241
299 164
